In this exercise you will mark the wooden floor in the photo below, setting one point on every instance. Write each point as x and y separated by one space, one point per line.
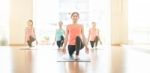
43 59
131 59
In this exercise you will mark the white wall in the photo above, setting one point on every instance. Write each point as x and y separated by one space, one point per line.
20 12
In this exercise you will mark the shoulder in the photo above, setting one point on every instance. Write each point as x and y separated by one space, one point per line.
90 29
33 28
62 30
26 28
56 29
97 29
81 25
68 26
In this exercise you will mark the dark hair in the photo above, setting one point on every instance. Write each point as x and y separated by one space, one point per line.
30 21
74 13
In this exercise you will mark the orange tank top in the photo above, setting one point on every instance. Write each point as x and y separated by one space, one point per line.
74 31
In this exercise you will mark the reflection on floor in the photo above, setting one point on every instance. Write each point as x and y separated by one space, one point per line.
131 59
42 59
5 60
137 59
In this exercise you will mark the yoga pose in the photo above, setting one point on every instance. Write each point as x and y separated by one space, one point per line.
93 36
30 33
59 35
74 37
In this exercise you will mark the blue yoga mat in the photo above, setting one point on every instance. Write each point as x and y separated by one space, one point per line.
66 58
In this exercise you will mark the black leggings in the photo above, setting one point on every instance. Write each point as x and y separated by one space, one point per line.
79 45
95 42
31 39
60 43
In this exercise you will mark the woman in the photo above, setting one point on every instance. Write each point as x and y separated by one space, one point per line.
30 33
93 36
74 36
59 35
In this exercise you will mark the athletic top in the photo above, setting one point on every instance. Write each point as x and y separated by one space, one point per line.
59 33
93 34
74 31
29 32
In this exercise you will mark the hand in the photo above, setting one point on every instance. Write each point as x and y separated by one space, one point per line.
64 50
36 42
25 43
87 50
53 43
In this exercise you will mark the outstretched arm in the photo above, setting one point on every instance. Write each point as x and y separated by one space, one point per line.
54 38
98 32
35 36
84 39
25 41
88 36
66 39
99 38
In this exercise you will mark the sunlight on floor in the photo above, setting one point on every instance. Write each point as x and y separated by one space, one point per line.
5 60
137 58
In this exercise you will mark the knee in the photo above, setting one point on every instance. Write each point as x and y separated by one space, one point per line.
77 38
62 38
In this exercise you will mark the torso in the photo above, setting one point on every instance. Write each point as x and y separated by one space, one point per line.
29 32
93 33
59 33
74 31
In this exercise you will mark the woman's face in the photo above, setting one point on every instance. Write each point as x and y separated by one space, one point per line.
60 24
75 17
93 24
30 23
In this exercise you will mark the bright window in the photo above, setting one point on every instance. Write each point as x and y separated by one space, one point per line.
139 21
47 13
